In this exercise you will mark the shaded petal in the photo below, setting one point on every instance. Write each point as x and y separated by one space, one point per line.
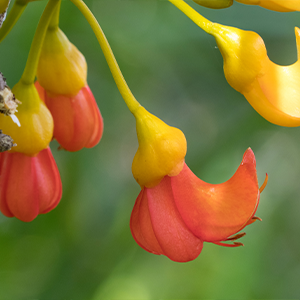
77 120
175 239
141 226
29 185
213 212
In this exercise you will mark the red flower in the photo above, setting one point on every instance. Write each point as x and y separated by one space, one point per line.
29 185
77 120
176 216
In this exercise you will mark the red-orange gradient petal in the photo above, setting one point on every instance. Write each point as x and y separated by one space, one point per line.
214 212
176 240
29 185
78 122
157 226
141 227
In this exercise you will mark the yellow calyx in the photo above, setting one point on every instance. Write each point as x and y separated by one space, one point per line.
161 151
62 68
214 3
244 55
36 129
3 5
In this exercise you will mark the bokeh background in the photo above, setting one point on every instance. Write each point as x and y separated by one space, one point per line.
84 249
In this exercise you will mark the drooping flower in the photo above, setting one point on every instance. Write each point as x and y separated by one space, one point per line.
29 185
62 73
175 211
277 5
271 89
30 182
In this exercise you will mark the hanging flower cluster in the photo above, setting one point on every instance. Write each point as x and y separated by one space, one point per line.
59 105
175 211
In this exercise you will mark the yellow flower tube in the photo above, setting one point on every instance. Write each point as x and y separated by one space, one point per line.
277 5
272 90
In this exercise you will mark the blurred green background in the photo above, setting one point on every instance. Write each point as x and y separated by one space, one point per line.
84 249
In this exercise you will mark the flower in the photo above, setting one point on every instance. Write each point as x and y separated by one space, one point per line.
175 211
62 73
30 182
30 185
278 5
272 90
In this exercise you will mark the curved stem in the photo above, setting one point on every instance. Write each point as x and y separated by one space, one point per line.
126 93
29 73
202 22
11 19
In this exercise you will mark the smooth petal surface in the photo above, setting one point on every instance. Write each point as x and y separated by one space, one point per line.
277 5
77 120
272 90
213 212
158 227
29 186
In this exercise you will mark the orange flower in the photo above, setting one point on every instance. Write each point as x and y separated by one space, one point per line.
30 185
175 217
272 90
30 182
62 73
175 211
278 5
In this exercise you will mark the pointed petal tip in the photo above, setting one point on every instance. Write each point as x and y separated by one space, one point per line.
249 157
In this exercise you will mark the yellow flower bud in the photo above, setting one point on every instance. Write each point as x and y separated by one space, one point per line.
214 3
36 121
71 76
161 151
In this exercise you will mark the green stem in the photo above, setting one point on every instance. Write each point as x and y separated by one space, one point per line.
126 93
54 22
29 73
11 19
203 23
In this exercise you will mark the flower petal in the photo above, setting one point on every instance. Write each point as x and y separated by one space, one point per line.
213 212
29 185
175 239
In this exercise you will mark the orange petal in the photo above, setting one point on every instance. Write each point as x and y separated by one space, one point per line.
176 240
77 120
29 185
214 212
141 226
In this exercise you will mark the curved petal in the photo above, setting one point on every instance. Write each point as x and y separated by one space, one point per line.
277 5
275 95
29 185
213 212
77 120
176 240
141 226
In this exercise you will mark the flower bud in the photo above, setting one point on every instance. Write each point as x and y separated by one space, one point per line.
277 5
161 151
36 129
62 69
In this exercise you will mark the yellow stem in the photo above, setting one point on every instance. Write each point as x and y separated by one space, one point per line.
126 93
29 73
202 22
11 19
